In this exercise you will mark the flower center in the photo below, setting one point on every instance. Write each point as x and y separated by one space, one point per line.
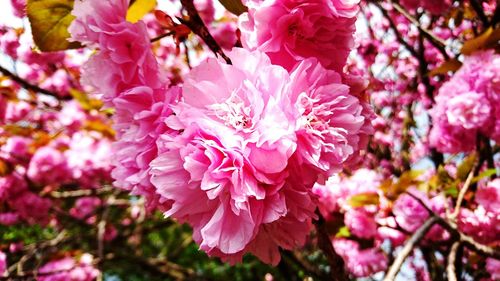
234 113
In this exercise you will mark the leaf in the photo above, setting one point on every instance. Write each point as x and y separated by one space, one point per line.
101 127
451 191
139 9
234 6
85 102
343 232
487 39
447 66
485 174
466 166
363 199
50 20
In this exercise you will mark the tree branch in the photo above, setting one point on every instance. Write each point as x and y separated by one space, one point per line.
450 268
28 86
195 23
433 39
480 12
338 272
408 248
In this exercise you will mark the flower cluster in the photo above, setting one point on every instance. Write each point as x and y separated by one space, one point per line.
226 152
69 268
468 105
289 31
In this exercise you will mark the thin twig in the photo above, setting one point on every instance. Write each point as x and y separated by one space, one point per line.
480 12
159 37
468 241
461 195
433 39
408 248
195 23
450 267
28 86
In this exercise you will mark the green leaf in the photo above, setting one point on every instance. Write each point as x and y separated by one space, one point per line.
485 174
49 21
139 9
363 199
234 6
343 232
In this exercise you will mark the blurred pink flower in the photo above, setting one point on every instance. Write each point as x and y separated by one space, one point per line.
3 263
48 166
360 262
69 268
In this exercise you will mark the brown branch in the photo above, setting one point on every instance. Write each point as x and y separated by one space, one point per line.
195 23
159 37
433 39
450 267
461 195
28 86
338 272
398 35
480 12
468 241
408 248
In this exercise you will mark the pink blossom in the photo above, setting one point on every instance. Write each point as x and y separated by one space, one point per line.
481 224
360 223
234 121
48 166
126 73
468 104
291 30
3 263
360 262
493 267
469 110
330 118
18 7
69 268
489 196
9 218
88 159
206 10
84 207
16 149
9 42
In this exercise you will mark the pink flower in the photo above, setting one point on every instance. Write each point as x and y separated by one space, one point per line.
3 263
88 159
126 73
292 30
69 269
84 207
481 224
232 160
468 104
332 124
469 110
360 223
19 7
489 196
360 262
48 166
16 149
206 10
493 267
